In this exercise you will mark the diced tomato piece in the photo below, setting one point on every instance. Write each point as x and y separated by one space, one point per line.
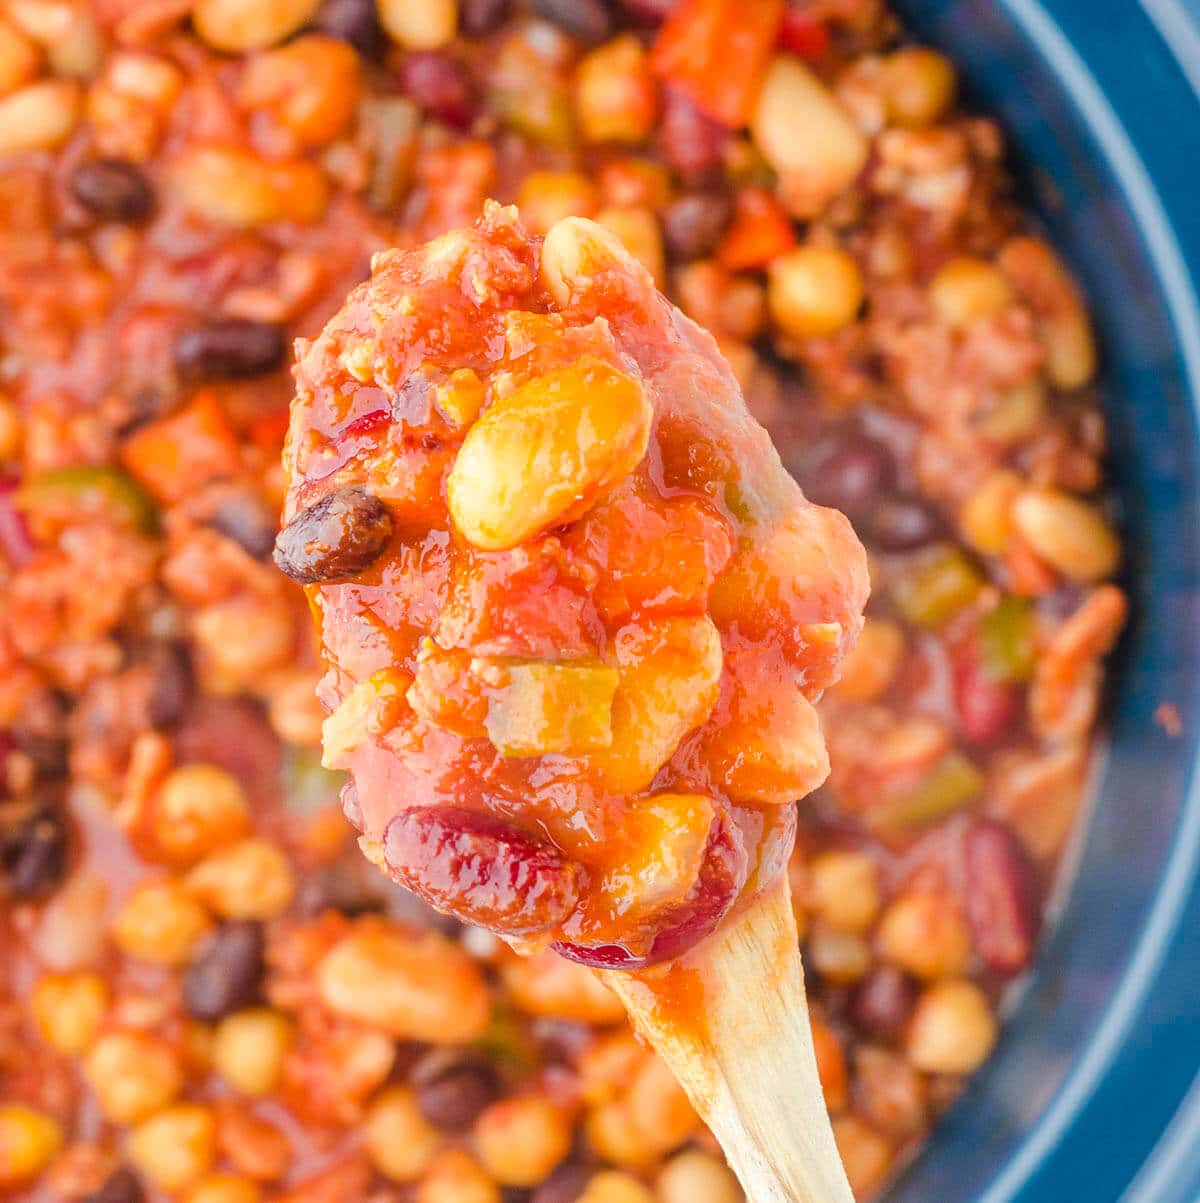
802 34
652 555
717 51
760 232
176 455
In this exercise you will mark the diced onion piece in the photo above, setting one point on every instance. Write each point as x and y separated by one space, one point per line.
371 708
547 708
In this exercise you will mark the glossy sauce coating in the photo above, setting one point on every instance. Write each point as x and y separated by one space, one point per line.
589 650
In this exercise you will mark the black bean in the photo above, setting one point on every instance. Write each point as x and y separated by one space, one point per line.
354 21
244 517
588 20
439 83
113 190
477 18
40 731
334 538
227 973
694 223
173 686
231 348
342 886
901 524
883 1002
452 1088
121 1186
565 1185
34 848
855 477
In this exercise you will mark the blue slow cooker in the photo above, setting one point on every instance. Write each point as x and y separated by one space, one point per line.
1094 1092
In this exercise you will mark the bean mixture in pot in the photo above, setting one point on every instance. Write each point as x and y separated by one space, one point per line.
205 993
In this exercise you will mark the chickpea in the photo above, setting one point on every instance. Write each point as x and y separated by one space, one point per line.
237 188
250 1047
614 1186
614 1136
160 922
873 662
831 1065
659 1106
251 880
866 1155
399 1140
241 638
986 516
919 86
953 1029
423 26
224 1188
844 890
814 291
39 116
967 289
551 986
695 1177
236 25
546 197
413 987
840 956
640 234
29 1141
132 1075
69 1009
176 1147
310 86
520 1140
925 933
455 1178
198 808
615 93
19 58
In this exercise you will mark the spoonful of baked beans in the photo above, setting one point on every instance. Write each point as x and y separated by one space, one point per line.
575 616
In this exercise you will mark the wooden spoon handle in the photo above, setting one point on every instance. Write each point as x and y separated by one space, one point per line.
731 1020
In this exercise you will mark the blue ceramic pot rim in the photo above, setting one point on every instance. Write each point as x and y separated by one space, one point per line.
1178 883
1119 1116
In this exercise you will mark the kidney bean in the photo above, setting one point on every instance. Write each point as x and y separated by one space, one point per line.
477 18
354 21
691 142
694 223
230 349
480 869
883 1002
121 1186
113 190
227 973
440 84
453 1088
901 524
334 538
244 518
565 1185
588 20
853 476
1003 896
986 707
34 847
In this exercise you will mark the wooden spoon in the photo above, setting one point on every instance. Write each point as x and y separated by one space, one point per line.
731 1020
